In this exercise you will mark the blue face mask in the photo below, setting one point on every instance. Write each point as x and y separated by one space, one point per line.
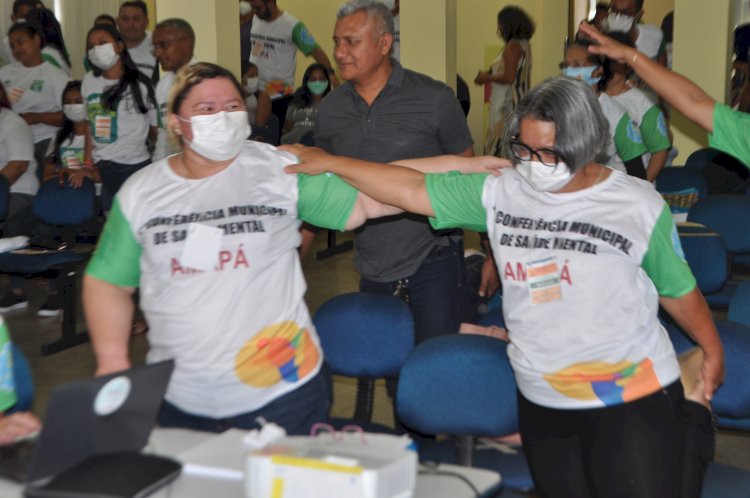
583 74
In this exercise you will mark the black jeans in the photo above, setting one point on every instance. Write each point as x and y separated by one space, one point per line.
113 176
633 450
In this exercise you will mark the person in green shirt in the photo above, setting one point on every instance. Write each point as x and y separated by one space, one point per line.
729 130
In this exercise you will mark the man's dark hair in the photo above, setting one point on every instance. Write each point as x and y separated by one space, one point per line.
17 4
178 24
138 4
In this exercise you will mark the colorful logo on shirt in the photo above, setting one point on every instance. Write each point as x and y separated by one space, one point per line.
634 133
279 352
37 85
612 384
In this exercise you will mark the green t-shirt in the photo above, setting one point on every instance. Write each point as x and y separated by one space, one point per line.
731 132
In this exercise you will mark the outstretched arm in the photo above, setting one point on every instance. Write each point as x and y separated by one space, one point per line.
395 186
681 93
692 314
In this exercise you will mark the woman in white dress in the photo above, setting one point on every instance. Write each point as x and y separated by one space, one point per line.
508 75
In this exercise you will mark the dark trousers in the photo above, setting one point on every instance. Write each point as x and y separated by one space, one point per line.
296 411
113 176
435 293
632 450
279 107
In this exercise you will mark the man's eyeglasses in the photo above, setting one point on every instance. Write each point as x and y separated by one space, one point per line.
522 152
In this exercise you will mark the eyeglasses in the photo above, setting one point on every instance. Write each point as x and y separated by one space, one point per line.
522 152
161 45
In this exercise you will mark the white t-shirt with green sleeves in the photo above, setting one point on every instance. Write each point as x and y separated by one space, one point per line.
120 135
582 273
240 332
649 118
7 383
70 152
625 141
35 89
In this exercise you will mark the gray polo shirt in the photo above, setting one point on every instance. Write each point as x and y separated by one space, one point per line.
413 116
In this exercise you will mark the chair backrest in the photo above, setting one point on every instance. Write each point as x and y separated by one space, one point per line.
64 205
459 384
4 196
364 334
22 381
706 254
739 306
732 400
726 214
676 179
699 158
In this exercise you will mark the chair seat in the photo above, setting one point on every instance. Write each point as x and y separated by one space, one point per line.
513 468
722 298
725 481
36 263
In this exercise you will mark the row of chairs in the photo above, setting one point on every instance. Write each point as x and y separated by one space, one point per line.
65 207
463 385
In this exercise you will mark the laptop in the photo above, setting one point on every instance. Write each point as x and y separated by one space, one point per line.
101 421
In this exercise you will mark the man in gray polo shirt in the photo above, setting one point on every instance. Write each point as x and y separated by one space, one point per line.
384 113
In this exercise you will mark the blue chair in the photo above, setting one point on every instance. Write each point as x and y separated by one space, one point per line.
701 157
680 178
706 254
463 385
365 336
67 208
23 381
726 214
739 306
4 196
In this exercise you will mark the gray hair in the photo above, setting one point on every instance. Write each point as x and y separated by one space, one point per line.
377 11
581 130
178 24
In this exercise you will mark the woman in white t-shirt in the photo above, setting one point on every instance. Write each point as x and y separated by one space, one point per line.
54 50
34 86
121 108
586 255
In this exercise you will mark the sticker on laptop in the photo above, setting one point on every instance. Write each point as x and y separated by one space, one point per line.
112 396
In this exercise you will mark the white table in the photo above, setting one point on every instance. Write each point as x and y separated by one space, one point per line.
172 442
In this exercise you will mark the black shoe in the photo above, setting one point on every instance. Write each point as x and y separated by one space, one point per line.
11 301
51 307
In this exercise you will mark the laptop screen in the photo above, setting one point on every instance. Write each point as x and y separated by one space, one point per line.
108 414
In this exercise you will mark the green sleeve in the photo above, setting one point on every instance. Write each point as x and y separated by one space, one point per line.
457 200
117 259
664 262
7 383
731 132
654 130
325 200
51 60
303 38
628 139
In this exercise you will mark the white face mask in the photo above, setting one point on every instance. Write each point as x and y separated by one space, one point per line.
103 56
252 85
542 177
245 8
618 22
75 112
220 136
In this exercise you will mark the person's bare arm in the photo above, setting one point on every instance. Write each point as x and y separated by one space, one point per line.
692 314
50 118
656 164
263 111
511 57
109 313
17 425
13 170
322 58
681 93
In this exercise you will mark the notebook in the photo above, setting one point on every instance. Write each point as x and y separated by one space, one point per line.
98 416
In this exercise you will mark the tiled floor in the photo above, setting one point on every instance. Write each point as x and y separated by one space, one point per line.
325 279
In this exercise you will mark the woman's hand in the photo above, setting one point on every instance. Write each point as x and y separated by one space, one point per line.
484 164
607 46
313 161
76 176
17 425
482 77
